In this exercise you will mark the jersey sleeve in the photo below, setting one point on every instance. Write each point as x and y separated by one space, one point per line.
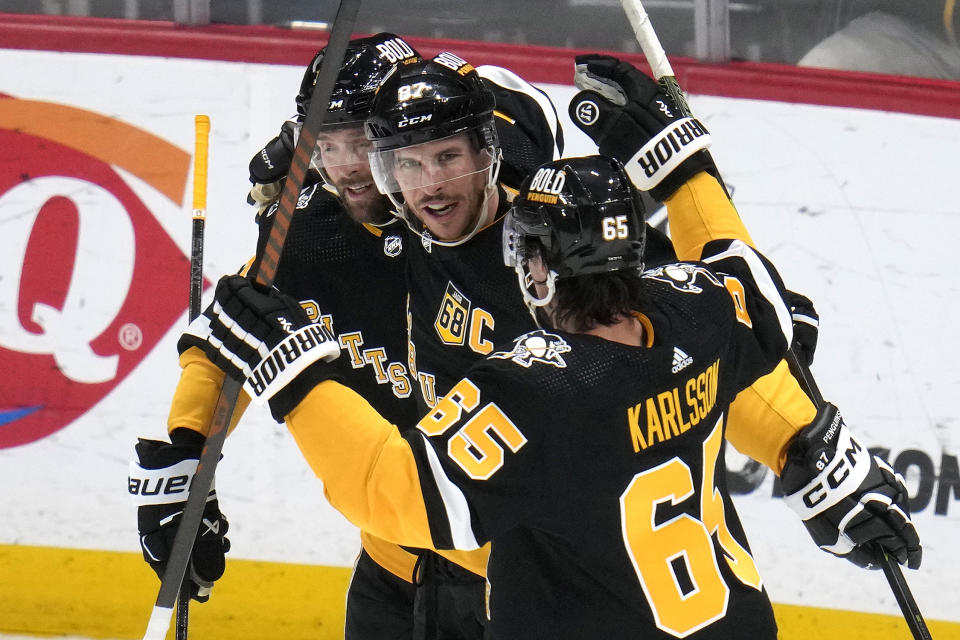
527 124
448 484
700 211
767 415
368 470
195 397
763 328
479 458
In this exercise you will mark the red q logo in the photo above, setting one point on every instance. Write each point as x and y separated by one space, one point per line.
89 280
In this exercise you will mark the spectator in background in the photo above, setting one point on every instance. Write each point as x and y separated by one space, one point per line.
901 38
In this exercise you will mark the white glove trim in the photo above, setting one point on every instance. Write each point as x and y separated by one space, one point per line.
168 485
666 151
839 477
289 359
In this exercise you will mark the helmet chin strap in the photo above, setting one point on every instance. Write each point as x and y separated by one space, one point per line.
533 304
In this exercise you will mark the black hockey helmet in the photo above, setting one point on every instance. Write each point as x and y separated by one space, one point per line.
431 100
579 216
366 62
419 105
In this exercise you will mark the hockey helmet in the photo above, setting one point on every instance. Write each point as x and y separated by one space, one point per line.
366 63
573 216
420 110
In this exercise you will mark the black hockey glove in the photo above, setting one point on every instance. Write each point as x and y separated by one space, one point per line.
806 327
629 117
849 500
272 163
264 337
159 483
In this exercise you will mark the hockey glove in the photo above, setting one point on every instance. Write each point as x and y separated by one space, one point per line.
630 118
270 166
264 337
159 483
849 500
272 163
806 327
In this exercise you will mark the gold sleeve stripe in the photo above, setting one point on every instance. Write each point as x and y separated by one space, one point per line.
196 394
699 212
246 268
367 468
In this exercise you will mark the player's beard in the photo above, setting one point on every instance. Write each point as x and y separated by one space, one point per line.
372 208
470 212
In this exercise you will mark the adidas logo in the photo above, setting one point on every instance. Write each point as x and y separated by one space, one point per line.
680 360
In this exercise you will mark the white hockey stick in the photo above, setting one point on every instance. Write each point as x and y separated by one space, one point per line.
653 51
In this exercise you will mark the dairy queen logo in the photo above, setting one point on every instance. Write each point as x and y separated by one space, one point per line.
89 280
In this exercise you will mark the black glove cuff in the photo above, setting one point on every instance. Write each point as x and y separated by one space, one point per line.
700 161
188 438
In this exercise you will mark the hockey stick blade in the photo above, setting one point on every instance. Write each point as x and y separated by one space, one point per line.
265 269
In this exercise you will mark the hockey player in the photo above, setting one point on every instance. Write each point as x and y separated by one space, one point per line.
332 250
462 300
582 451
341 242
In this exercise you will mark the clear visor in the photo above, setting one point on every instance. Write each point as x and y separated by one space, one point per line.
428 164
340 145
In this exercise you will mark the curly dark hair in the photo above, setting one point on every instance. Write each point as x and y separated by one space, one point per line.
589 300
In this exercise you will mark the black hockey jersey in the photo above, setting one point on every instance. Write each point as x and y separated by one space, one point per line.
464 300
594 468
351 278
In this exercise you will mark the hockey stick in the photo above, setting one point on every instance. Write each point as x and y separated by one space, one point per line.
663 72
263 271
201 127
891 570
200 144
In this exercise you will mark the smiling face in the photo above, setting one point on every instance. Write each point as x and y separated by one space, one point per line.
342 159
443 184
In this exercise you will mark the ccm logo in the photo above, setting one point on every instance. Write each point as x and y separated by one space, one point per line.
414 120
832 478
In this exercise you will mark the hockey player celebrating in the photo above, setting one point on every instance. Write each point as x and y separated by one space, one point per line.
582 451
342 241
430 129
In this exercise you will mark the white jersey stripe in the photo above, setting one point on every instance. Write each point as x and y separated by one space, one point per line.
764 282
454 502
509 80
